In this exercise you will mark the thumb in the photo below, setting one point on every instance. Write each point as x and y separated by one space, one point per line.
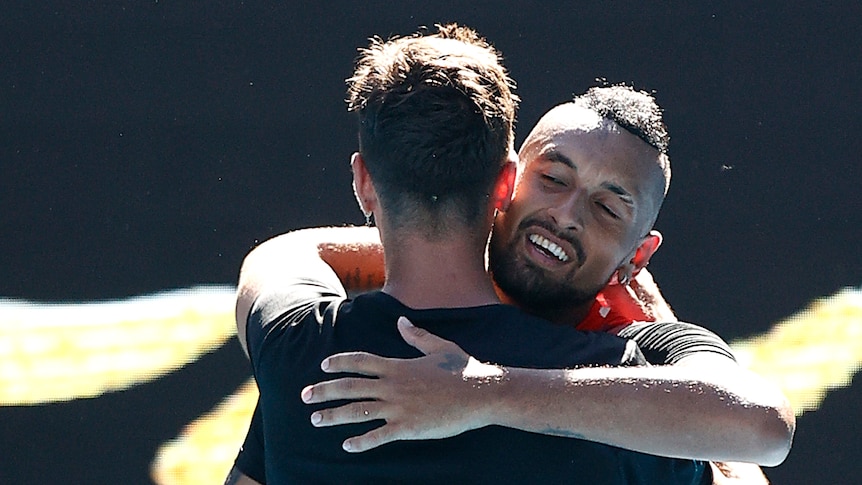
425 341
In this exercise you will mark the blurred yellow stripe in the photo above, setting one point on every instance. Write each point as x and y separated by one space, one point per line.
205 450
55 352
811 352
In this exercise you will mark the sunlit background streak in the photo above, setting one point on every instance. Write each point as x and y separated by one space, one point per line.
57 352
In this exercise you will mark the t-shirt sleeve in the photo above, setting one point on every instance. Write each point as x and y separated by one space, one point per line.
633 355
250 460
668 342
278 309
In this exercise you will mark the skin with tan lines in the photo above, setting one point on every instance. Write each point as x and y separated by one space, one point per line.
584 187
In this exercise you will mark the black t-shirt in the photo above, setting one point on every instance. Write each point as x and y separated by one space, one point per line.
292 330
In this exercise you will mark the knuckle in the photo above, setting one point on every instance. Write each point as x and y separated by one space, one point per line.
331 388
360 358
347 385
380 436
359 411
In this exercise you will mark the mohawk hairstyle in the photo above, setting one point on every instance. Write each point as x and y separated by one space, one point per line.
636 111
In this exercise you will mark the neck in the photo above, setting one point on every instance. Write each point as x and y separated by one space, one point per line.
562 315
449 273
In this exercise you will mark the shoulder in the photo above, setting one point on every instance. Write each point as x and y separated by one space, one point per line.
295 306
282 272
288 304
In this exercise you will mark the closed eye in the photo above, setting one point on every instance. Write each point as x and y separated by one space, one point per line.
608 210
551 179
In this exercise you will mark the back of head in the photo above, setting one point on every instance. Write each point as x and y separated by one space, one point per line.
436 115
638 113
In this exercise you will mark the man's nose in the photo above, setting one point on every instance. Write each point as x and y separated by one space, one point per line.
568 211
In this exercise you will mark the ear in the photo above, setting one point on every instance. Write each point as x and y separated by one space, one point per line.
363 189
640 258
504 187
649 245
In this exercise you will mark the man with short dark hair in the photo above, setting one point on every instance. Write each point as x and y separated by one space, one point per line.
435 133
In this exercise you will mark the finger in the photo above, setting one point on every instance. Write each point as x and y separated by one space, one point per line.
372 439
344 388
425 341
355 412
356 362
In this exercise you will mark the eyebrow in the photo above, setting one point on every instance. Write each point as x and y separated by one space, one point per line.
557 157
624 195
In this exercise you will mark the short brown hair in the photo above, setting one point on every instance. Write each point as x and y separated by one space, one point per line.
436 118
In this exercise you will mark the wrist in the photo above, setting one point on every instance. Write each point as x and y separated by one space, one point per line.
488 383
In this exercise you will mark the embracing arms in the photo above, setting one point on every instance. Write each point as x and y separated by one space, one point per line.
716 412
705 406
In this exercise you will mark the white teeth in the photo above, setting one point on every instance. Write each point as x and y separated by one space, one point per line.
549 246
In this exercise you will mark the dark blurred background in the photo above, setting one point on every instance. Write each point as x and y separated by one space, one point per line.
149 145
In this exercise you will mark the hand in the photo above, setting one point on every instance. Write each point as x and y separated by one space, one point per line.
435 396
737 474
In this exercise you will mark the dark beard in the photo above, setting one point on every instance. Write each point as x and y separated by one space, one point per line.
526 284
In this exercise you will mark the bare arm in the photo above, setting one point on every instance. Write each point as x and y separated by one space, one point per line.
708 410
353 253
642 300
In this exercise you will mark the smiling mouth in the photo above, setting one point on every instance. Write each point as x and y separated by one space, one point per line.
548 247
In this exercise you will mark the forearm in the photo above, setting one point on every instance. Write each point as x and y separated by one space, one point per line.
675 411
356 256
704 407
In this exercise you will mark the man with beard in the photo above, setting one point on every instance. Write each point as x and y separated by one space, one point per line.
435 119
593 174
